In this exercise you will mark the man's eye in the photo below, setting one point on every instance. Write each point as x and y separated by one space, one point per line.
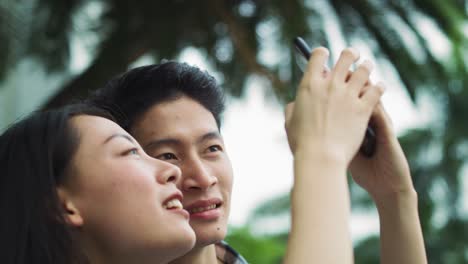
166 156
214 148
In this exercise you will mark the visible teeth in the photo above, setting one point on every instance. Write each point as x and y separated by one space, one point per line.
173 204
201 209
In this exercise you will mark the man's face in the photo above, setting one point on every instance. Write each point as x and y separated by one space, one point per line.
184 133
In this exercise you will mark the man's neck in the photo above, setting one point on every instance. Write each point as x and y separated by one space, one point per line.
204 255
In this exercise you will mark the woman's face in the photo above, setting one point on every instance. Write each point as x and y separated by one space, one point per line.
129 204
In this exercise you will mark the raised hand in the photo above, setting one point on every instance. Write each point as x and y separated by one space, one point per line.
386 177
332 109
325 127
387 173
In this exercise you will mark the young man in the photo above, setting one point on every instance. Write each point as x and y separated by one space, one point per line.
173 110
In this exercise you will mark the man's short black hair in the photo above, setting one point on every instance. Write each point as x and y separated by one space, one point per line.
128 96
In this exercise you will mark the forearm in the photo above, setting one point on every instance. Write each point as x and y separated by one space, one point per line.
400 230
319 212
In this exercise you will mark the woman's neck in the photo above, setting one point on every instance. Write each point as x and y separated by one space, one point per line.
100 255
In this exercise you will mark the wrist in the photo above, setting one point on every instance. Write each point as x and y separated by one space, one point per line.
401 200
317 153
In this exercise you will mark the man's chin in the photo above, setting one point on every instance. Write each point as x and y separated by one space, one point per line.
208 236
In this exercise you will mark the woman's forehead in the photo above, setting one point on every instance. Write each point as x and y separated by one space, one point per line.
95 129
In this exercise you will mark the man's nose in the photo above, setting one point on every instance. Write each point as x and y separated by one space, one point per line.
196 175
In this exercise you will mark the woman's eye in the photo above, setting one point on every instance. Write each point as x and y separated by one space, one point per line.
133 151
166 156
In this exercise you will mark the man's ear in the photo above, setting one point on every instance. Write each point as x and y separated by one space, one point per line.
70 212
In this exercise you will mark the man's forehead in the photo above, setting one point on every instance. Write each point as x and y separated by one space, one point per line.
180 112
178 122
182 118
181 132
180 103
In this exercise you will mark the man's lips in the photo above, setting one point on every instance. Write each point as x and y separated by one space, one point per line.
201 206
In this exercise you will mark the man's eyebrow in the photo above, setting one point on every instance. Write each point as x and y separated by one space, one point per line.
117 135
209 136
162 142
174 142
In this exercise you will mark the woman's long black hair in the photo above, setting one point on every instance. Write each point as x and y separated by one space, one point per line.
34 156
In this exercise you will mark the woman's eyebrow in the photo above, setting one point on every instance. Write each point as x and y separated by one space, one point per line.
119 135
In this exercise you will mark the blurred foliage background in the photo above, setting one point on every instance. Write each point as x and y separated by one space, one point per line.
233 35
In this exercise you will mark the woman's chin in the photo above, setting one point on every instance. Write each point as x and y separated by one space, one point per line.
181 249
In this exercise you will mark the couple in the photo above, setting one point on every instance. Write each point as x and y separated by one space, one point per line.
139 172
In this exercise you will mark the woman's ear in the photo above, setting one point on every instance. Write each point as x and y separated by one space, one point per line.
70 212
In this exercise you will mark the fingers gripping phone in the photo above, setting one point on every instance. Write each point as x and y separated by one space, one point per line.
369 143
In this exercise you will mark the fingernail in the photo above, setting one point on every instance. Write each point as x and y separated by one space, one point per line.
355 52
368 64
381 86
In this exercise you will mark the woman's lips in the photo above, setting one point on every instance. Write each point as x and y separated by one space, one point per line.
173 203
182 212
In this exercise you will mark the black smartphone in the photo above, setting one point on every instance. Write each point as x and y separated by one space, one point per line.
369 143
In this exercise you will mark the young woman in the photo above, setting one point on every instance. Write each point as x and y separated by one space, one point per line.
76 188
